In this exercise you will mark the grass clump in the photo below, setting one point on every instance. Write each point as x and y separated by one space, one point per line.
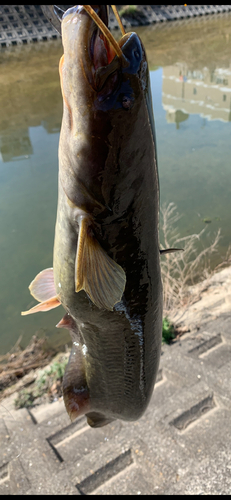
51 374
48 383
25 399
131 11
128 9
182 269
168 333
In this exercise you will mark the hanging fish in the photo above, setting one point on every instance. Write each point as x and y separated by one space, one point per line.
106 266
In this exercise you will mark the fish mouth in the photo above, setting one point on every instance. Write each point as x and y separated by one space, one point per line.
105 62
99 52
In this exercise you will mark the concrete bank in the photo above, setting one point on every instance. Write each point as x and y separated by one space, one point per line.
23 24
180 446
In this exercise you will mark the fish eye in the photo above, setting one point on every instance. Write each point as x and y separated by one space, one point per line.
127 102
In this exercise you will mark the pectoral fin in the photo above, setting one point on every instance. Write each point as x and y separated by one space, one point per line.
42 288
95 272
43 306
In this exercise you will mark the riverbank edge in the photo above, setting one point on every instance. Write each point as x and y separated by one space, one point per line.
141 15
209 299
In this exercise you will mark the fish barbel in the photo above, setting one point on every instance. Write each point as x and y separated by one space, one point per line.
106 265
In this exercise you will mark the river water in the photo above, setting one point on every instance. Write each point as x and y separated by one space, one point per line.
190 68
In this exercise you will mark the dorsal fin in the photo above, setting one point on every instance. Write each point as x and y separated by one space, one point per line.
171 250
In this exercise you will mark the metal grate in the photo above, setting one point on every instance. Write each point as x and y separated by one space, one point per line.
22 24
172 12
149 14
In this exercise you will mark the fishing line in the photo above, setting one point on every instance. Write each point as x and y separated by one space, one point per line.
104 30
118 19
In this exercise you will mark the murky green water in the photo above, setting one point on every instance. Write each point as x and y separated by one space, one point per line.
190 66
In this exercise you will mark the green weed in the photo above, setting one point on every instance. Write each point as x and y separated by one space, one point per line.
25 399
168 333
47 382
128 10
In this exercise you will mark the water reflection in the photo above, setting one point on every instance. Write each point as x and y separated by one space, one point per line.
15 145
30 119
203 92
195 56
198 43
191 85
30 96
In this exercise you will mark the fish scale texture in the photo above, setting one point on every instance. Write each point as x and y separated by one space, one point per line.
180 446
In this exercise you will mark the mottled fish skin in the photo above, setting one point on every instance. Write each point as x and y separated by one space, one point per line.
108 169
108 203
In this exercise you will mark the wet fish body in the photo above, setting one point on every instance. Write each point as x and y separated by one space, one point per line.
106 253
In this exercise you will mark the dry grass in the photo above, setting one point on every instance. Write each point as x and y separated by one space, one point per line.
182 269
18 362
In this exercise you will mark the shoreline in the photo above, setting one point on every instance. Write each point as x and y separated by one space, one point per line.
36 29
21 368
209 299
142 15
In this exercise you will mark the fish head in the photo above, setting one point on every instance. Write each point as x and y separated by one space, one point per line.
79 37
85 64
99 71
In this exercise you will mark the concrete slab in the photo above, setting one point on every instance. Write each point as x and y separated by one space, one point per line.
180 446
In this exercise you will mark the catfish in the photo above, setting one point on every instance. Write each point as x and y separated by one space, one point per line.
106 263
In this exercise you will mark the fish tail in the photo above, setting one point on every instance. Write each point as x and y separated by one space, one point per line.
95 419
75 390
76 393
